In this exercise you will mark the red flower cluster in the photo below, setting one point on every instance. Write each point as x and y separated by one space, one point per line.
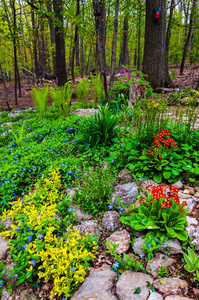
162 138
168 192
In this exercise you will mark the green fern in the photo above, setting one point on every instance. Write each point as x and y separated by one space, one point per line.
82 91
40 98
97 89
62 97
19 137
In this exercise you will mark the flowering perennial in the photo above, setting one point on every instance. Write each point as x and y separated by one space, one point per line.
162 138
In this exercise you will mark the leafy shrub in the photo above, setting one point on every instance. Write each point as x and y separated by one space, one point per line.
94 194
35 243
160 212
62 97
40 98
100 128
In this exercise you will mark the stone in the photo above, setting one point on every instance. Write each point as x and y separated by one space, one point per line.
12 279
178 184
158 260
196 188
27 295
171 284
129 281
193 232
125 176
7 223
138 244
5 294
122 238
191 204
155 296
97 285
127 192
186 191
184 196
91 227
195 198
147 182
173 245
196 195
3 248
80 215
176 297
191 221
86 112
8 124
111 220
190 189
70 192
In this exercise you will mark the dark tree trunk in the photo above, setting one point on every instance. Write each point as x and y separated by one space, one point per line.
188 37
77 48
5 87
82 45
139 33
34 41
113 60
168 36
102 5
74 45
100 39
154 62
60 43
15 48
52 37
124 50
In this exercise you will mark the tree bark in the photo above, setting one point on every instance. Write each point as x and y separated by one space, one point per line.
124 50
188 37
34 41
60 43
168 36
113 60
52 38
154 62
139 33
74 45
5 87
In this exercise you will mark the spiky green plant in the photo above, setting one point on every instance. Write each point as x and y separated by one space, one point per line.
18 137
82 91
97 89
40 98
61 97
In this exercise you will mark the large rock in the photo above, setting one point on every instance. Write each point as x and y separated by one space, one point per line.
176 297
178 184
128 193
125 176
122 238
27 295
91 227
138 244
191 221
7 223
129 281
81 216
159 260
191 204
97 285
85 112
155 296
111 220
147 182
12 279
171 284
193 232
173 245
3 248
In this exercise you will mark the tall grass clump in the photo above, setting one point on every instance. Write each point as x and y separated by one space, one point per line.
97 88
82 92
40 99
61 97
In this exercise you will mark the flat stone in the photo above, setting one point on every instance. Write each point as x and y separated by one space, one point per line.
171 284
125 176
195 198
91 227
178 184
190 189
184 196
193 232
158 260
187 191
127 192
155 296
138 244
129 281
111 220
122 238
80 215
176 297
147 182
191 204
8 124
196 187
97 285
196 195
27 295
174 246
191 221
85 112
3 248
5 294
12 279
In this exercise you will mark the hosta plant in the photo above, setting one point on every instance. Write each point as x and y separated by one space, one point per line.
191 260
160 212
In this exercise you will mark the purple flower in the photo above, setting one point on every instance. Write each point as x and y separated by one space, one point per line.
142 178
72 269
29 238
116 264
69 172
40 236
142 255
70 209
110 206
2 283
23 247
121 209
149 245
33 262
165 245
18 228
112 161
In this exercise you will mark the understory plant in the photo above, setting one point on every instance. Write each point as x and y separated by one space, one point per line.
94 193
82 91
61 97
40 98
160 212
101 128
97 88
41 246
192 261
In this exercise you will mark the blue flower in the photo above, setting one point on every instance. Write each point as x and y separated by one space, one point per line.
40 236
116 264
18 228
23 247
69 172
142 178
14 264
2 283
66 239
143 125
149 245
142 255
116 135
29 238
72 269
70 209
165 245
64 299
112 161
115 200
121 209
110 206
33 262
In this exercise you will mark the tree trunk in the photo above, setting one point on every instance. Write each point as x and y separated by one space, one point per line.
124 51
5 87
100 39
52 38
188 37
74 45
168 36
34 41
102 5
82 45
15 48
154 62
113 60
60 43
139 33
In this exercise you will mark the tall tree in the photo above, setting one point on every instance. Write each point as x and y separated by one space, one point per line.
154 62
75 43
124 48
60 43
113 60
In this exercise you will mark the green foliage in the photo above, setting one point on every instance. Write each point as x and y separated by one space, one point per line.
101 128
61 97
192 261
40 98
19 137
82 91
94 194
97 88
152 243
162 271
